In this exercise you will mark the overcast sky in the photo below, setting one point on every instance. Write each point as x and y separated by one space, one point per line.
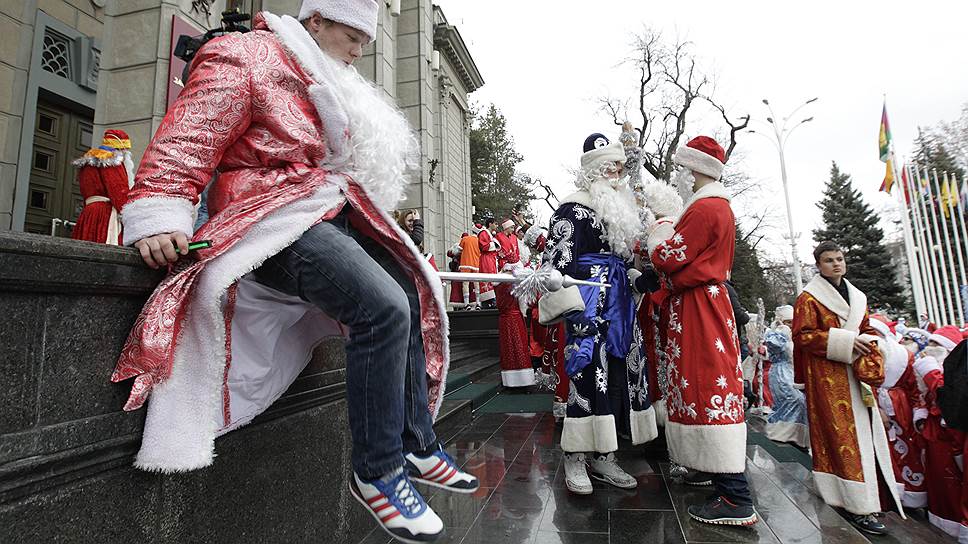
545 64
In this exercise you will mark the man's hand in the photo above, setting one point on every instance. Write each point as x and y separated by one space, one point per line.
159 250
862 346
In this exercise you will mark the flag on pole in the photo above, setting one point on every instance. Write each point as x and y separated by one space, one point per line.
888 182
885 137
904 185
947 197
964 193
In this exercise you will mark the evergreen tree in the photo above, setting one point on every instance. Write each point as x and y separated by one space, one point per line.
931 153
851 223
496 186
747 275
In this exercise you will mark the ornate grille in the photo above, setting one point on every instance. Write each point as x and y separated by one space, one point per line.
56 56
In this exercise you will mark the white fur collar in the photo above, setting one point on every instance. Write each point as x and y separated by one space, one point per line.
369 138
713 190
578 197
850 316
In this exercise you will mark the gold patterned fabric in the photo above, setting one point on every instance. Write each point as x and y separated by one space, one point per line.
833 436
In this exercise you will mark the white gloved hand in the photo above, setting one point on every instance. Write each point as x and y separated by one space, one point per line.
633 274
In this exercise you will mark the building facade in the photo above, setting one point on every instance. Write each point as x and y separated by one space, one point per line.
70 69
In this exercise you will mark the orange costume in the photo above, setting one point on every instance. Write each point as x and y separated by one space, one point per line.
847 436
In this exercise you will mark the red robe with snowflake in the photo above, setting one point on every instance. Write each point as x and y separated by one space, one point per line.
516 368
900 398
706 429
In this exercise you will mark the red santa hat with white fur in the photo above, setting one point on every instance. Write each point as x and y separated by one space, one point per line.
947 337
702 155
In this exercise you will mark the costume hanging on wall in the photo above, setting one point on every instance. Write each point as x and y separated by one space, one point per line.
847 437
106 174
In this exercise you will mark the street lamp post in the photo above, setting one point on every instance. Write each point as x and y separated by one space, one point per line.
782 133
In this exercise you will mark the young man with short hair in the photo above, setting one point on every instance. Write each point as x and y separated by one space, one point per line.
837 358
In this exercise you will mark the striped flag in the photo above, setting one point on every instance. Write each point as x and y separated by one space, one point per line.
904 185
885 137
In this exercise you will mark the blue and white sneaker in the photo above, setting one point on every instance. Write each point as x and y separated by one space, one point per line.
440 470
397 505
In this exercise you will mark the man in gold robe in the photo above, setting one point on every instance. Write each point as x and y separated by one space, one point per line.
837 358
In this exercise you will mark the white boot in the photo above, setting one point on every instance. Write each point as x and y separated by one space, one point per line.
576 474
604 467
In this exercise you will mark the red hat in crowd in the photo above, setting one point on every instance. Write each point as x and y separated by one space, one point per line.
116 139
891 325
702 154
947 337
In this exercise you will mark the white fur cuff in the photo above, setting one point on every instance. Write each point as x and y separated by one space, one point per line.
521 377
589 434
719 449
660 232
925 365
553 306
643 424
697 161
153 215
840 345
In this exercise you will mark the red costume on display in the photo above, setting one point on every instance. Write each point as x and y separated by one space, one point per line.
516 370
104 179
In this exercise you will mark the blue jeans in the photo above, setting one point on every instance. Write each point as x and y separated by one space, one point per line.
356 281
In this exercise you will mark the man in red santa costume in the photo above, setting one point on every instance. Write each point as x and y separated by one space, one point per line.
516 369
706 430
105 176
943 446
901 401
489 249
311 158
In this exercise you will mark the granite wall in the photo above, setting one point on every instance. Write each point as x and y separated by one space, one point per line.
66 447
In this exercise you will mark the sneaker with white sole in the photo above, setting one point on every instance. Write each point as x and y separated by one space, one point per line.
398 507
606 469
576 474
440 470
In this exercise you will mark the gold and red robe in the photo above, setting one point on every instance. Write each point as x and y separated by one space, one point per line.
847 437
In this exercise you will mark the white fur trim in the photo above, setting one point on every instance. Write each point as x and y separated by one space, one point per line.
522 377
661 231
700 162
783 313
914 499
553 306
592 160
359 14
486 295
840 345
643 425
719 449
926 365
661 412
115 160
578 197
153 215
710 190
825 293
951 527
789 431
943 341
920 414
589 434
559 409
532 234
895 360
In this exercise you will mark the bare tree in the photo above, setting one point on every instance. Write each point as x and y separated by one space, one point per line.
671 85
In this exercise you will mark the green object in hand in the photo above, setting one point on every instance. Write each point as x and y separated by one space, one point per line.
192 246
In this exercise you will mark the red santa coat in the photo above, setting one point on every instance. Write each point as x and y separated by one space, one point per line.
706 429
516 370
103 180
488 262
295 136
943 456
900 398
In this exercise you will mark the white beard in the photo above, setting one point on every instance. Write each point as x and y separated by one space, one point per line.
684 182
614 202
129 168
939 353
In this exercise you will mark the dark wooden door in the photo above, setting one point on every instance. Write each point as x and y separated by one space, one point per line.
54 197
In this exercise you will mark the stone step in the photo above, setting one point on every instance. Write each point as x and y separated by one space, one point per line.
454 416
473 370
